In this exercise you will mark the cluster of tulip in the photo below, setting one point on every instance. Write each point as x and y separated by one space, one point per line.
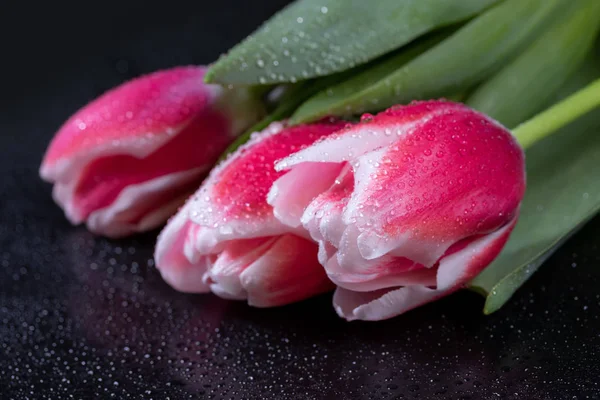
392 211
395 210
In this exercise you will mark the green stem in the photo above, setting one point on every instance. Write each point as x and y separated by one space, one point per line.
559 115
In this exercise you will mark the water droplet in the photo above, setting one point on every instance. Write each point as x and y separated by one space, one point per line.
366 117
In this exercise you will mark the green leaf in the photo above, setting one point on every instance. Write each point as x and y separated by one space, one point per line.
321 104
467 57
563 192
312 38
526 85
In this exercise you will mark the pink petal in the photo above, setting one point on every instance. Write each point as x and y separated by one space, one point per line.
229 215
302 184
380 274
103 179
179 271
232 202
268 271
128 159
371 134
286 273
139 116
323 216
237 256
144 206
454 271
457 175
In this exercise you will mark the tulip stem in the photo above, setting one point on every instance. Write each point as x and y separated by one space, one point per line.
559 115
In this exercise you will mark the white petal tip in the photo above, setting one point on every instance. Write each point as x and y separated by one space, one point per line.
273 193
46 172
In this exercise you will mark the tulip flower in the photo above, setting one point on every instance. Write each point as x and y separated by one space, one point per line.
226 238
425 198
125 162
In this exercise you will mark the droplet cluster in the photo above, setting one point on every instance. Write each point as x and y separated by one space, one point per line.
238 188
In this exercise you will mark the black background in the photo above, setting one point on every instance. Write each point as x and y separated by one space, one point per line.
83 317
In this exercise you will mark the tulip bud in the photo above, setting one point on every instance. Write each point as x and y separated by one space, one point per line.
426 197
125 162
226 238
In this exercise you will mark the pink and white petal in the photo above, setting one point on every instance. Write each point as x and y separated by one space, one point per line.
370 134
326 251
208 208
322 218
171 240
157 217
138 132
343 146
460 267
232 202
454 271
62 193
224 274
331 226
432 135
348 255
69 169
140 223
135 118
125 215
459 174
300 185
286 273
381 304
389 272
176 259
174 266
187 279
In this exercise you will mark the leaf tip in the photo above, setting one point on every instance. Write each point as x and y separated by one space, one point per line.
490 307
212 75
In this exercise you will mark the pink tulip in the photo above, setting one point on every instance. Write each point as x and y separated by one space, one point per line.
125 162
226 238
425 198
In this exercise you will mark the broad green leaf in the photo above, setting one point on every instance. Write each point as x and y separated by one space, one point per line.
312 38
379 71
473 53
526 85
563 192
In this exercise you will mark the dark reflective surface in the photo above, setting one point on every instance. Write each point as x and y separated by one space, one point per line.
83 317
